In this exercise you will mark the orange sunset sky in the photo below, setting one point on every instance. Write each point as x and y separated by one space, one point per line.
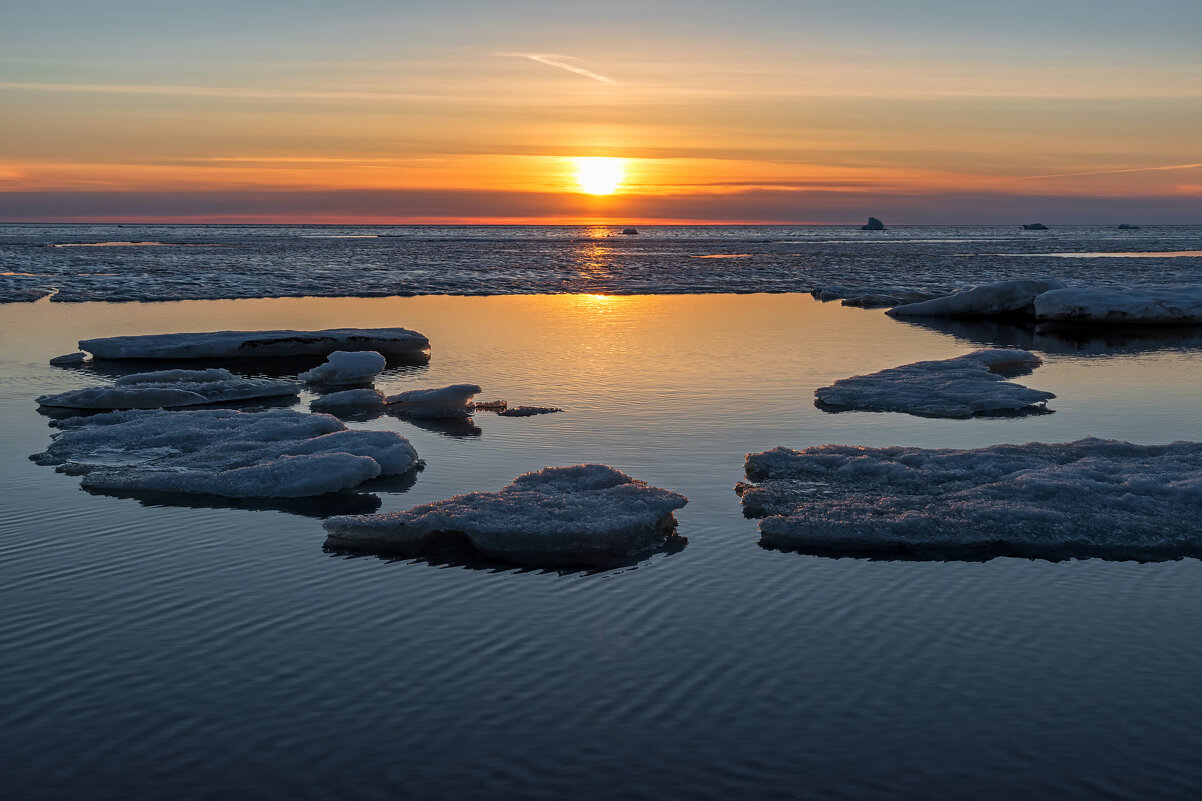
927 112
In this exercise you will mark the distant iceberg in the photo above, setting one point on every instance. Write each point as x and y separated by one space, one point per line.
256 344
960 387
988 300
1092 497
347 367
873 224
586 515
272 454
165 389
436 402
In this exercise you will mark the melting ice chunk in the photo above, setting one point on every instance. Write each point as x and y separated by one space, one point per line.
256 344
1091 497
988 300
274 454
960 387
356 400
589 514
452 401
1159 305
347 367
170 388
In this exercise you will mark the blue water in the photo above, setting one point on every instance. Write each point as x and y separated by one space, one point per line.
180 648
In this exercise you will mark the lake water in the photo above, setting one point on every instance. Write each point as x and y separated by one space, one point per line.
182 649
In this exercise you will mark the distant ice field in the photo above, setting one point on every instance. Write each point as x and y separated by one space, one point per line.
75 263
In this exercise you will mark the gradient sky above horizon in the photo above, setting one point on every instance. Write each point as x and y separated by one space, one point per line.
924 112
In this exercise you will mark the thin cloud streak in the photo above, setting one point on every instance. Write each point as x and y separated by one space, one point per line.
209 91
552 60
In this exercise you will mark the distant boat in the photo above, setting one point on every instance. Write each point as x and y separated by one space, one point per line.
873 225
1128 227
1034 227
630 232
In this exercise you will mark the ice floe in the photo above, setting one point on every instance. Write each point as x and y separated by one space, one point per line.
254 344
988 300
347 367
1092 497
870 297
527 411
452 401
272 454
357 400
589 514
960 387
69 359
171 388
1141 305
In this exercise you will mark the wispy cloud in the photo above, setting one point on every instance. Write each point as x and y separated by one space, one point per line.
1109 172
562 63
208 91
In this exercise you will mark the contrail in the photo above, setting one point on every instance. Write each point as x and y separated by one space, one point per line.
552 60
1109 172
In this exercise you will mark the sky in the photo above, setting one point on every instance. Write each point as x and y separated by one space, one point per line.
930 111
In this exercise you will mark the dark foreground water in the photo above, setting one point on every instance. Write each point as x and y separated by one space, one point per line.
182 649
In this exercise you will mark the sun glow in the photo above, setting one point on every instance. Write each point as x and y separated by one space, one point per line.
599 175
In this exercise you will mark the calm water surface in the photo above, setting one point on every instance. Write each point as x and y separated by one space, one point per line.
175 649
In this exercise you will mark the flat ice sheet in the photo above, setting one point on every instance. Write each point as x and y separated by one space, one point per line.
273 454
257 344
988 300
1092 497
960 387
171 388
435 402
589 514
1169 305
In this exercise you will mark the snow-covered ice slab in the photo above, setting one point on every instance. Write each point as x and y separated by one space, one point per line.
353 400
1143 305
347 367
255 344
165 389
988 300
960 387
274 454
1088 498
452 401
589 514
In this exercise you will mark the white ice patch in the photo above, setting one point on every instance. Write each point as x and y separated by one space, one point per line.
989 300
170 388
583 515
452 401
1150 305
347 367
254 344
960 387
1092 497
274 454
356 400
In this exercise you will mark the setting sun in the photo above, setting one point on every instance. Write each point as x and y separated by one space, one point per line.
599 175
